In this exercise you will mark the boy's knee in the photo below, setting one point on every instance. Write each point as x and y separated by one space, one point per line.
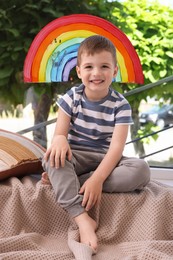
144 170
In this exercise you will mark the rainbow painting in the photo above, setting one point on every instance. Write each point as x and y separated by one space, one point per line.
53 52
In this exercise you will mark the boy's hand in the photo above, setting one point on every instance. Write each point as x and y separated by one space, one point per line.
92 191
58 152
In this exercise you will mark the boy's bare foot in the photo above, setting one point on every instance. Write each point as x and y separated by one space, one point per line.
45 178
87 227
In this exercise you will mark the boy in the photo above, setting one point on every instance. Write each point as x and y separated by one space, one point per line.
85 157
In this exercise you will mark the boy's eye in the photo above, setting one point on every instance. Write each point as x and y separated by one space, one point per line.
88 67
105 66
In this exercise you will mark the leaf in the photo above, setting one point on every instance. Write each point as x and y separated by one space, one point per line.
5 55
32 6
5 73
3 82
13 31
169 53
45 1
162 73
150 76
4 44
14 56
18 48
50 11
157 60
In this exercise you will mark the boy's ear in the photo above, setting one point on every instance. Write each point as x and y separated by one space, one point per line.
115 71
78 72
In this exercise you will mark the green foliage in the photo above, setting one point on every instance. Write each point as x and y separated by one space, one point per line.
147 131
148 24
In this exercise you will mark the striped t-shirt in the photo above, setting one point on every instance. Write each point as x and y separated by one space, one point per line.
92 123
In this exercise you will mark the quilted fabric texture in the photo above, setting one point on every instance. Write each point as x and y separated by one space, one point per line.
19 155
131 226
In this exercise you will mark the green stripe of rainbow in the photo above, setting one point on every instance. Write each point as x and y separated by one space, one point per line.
68 31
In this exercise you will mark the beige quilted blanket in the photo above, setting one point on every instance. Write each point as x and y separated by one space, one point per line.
132 226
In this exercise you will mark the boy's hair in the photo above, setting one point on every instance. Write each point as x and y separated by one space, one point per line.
96 44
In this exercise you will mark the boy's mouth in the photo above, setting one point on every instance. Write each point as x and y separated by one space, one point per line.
97 81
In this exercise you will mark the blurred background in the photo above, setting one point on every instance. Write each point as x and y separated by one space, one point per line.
149 26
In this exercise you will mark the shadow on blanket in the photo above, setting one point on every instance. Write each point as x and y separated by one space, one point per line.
131 225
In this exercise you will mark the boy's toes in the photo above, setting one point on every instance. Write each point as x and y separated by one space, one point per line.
94 248
45 178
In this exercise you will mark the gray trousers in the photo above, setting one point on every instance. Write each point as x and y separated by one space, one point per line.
130 174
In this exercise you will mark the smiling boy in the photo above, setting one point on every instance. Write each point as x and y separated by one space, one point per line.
86 154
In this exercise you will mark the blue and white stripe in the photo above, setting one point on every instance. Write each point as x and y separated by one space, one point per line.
92 123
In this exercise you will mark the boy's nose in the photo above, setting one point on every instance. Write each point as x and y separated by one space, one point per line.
96 71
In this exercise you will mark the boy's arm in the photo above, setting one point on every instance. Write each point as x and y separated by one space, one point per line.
59 149
92 188
114 153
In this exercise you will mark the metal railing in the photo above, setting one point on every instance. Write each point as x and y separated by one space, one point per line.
151 134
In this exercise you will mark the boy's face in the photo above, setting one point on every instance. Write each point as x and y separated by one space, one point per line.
96 72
